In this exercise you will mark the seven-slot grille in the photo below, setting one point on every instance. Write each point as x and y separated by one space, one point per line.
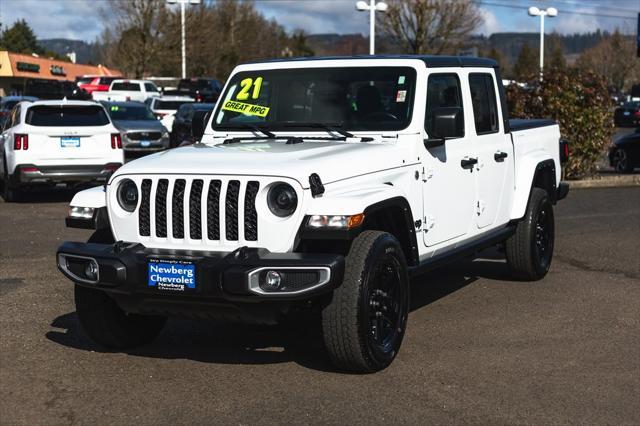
198 209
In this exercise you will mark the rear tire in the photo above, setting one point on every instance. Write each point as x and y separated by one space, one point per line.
529 251
364 324
104 322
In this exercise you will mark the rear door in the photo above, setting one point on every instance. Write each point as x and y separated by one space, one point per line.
59 132
492 146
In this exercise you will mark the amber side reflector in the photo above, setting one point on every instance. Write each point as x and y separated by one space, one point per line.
355 220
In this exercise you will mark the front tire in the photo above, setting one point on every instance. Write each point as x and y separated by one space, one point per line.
364 324
104 322
530 249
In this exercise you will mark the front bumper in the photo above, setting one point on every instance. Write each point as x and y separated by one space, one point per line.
232 277
28 173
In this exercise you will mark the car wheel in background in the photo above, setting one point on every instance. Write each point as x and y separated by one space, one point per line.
621 161
10 193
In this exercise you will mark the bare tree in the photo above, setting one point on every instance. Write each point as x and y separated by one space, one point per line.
615 59
133 34
430 26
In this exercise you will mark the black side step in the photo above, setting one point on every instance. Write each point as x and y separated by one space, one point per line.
466 250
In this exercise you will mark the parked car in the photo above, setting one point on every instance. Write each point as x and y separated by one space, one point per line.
624 153
200 89
142 132
322 185
181 131
8 102
96 83
627 115
165 107
57 141
128 90
54 89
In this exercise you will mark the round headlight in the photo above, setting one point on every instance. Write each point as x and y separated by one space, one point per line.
282 200
128 195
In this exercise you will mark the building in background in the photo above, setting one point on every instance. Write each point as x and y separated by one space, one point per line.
18 70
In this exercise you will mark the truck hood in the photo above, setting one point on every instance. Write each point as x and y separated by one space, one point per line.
331 160
128 125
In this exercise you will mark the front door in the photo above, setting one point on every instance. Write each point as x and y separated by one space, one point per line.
449 184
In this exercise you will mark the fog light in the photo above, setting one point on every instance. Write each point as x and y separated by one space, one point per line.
91 271
272 280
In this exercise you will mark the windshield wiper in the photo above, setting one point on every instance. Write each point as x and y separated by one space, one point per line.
329 127
252 127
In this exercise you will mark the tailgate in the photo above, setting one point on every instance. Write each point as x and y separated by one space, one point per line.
81 144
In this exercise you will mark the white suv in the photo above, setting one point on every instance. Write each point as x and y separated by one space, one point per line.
57 141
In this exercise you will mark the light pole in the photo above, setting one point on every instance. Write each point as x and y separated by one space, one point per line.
551 12
183 3
372 7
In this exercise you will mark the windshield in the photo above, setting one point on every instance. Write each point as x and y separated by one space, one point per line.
172 105
353 98
130 112
63 116
631 105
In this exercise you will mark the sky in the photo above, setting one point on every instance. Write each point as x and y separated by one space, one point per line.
80 19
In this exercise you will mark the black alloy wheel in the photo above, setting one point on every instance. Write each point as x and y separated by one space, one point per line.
386 306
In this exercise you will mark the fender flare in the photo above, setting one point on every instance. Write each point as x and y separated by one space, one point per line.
526 181
399 202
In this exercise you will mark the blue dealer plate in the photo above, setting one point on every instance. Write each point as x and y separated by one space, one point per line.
171 275
70 142
145 144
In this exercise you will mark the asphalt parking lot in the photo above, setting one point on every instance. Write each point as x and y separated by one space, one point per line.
479 349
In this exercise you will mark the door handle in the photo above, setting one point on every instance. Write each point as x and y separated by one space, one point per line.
500 156
467 162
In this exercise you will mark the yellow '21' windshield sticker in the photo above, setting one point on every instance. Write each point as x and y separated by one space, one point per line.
246 109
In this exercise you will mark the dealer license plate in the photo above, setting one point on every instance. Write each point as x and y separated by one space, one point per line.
145 144
70 142
171 275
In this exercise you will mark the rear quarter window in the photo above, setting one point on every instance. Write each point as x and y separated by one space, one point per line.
65 116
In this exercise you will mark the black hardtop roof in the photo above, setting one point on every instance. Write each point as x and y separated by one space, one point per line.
431 61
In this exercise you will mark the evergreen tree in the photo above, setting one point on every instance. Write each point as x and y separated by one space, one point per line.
526 65
20 38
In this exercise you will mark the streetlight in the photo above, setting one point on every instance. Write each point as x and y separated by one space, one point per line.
183 3
372 7
551 12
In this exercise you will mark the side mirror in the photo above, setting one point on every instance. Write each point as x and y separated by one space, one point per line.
447 122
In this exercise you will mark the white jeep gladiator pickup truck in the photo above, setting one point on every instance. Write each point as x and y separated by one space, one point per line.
320 184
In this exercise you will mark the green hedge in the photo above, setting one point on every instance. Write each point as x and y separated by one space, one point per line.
579 101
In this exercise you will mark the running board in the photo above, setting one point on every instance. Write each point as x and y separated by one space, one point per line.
466 250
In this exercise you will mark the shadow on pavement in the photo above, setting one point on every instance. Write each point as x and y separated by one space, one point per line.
297 340
50 194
